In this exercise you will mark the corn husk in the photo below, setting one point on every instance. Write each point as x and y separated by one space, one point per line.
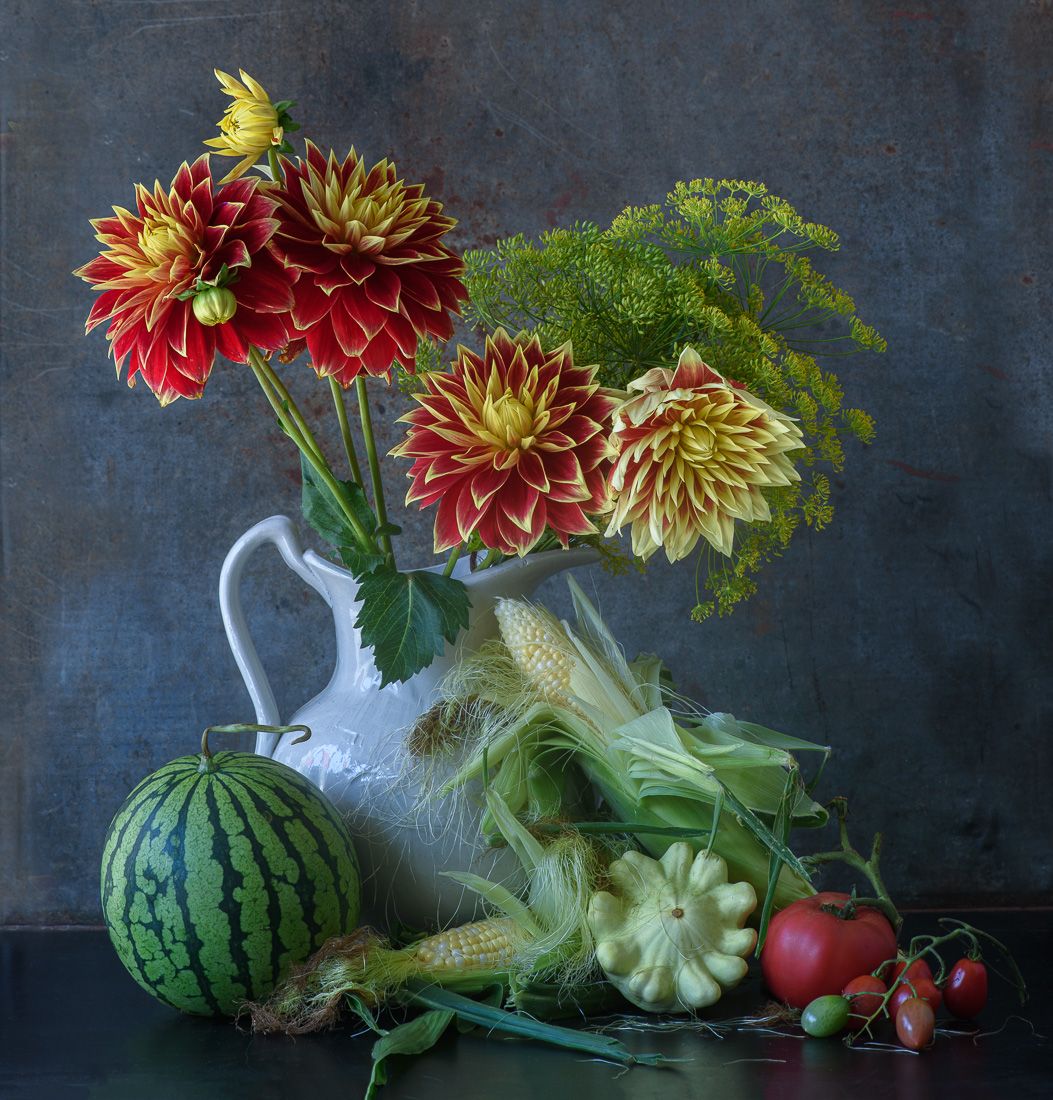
554 693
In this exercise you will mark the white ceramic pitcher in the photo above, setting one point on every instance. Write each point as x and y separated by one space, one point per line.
357 754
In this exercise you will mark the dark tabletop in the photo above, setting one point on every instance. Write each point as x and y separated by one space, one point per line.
73 1024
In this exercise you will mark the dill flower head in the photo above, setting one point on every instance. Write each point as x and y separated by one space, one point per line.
377 275
192 238
250 125
694 453
509 444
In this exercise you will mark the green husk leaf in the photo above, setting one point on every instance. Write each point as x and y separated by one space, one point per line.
493 995
618 828
781 830
413 1037
497 1019
529 851
499 896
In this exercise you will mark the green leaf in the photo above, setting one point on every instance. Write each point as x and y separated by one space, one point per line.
360 562
497 1019
413 1037
499 896
326 516
493 995
781 832
406 618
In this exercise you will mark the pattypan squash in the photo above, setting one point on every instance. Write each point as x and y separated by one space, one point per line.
672 938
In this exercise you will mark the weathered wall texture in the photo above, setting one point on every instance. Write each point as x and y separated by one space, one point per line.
914 635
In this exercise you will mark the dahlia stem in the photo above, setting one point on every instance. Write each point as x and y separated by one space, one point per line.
345 429
374 465
451 561
491 558
291 407
314 457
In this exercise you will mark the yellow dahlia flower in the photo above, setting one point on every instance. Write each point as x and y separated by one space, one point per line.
249 126
693 453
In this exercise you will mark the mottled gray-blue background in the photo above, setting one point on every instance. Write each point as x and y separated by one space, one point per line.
913 635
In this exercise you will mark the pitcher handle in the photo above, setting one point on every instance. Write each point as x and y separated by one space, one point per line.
280 531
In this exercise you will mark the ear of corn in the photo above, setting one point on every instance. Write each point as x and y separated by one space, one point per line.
481 945
539 647
545 937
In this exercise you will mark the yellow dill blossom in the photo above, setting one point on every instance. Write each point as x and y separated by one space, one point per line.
250 125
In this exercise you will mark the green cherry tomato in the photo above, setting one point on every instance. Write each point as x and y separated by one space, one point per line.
825 1016
915 1023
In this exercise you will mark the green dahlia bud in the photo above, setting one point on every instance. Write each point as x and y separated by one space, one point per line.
215 305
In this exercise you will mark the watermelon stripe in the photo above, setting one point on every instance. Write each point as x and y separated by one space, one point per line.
259 903
161 810
194 943
115 841
142 830
329 843
253 813
303 815
176 767
306 798
170 983
232 885
283 818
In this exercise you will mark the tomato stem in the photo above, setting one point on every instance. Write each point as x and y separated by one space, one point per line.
869 868
920 946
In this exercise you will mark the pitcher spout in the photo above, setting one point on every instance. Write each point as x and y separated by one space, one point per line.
515 579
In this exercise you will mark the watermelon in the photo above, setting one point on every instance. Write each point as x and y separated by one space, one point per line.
221 872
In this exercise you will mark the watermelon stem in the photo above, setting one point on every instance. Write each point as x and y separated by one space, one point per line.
245 727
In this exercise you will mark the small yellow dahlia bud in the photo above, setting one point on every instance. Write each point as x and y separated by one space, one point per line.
215 305
250 125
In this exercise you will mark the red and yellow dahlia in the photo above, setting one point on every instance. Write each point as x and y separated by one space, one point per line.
509 444
376 274
694 452
178 240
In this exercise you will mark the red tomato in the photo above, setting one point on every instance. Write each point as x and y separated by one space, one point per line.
918 969
915 1024
863 1007
924 990
811 951
965 991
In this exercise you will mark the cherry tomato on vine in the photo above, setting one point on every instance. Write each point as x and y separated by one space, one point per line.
965 991
869 992
825 1016
816 945
915 1023
917 969
924 990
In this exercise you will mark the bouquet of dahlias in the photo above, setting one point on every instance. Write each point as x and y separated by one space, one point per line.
654 377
